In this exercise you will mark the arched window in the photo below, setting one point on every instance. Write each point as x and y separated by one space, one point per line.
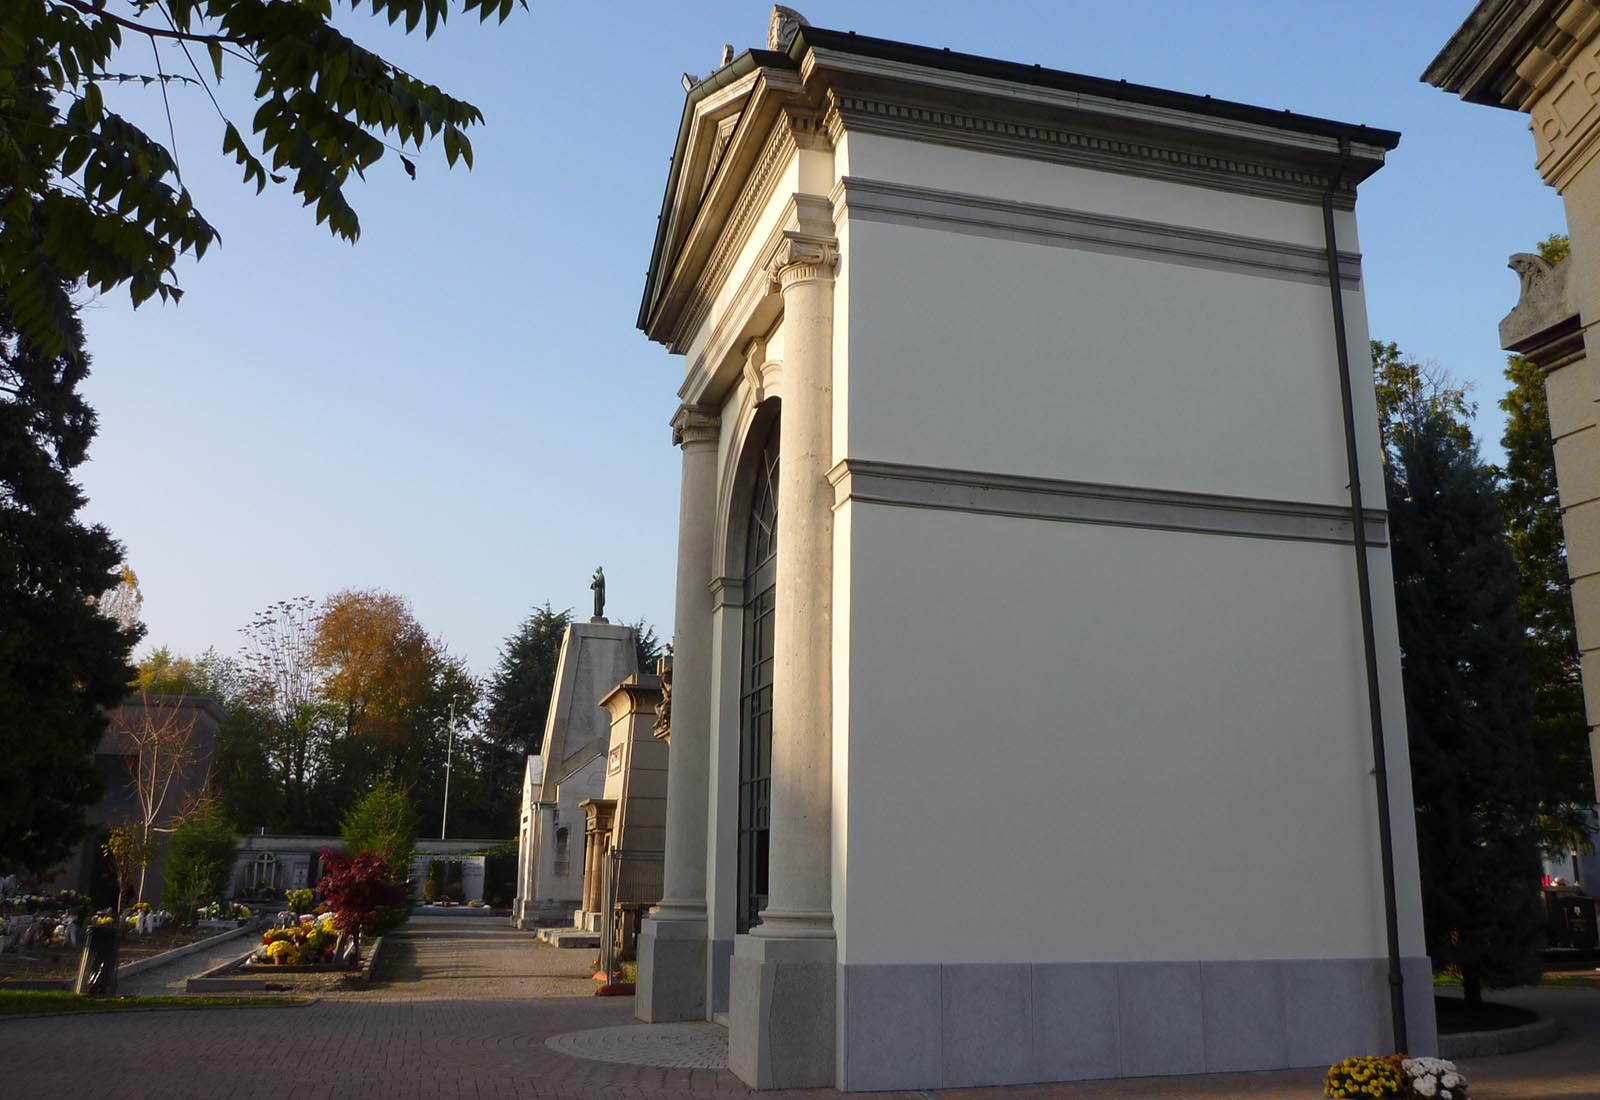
563 861
266 870
755 702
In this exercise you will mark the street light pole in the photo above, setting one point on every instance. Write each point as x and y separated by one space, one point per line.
449 754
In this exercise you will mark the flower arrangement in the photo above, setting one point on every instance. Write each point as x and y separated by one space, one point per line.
310 940
283 952
1434 1079
299 901
1364 1076
1370 1077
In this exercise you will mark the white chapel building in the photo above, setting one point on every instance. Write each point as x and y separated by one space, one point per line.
1035 660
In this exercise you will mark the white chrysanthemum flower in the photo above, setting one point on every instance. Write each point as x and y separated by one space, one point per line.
1450 1080
1427 1085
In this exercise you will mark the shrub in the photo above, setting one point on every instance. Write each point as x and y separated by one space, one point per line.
430 890
382 821
500 874
199 857
362 891
299 901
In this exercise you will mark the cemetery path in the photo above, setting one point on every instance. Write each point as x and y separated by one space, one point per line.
172 977
466 1007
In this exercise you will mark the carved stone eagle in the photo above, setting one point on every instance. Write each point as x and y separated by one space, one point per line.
784 25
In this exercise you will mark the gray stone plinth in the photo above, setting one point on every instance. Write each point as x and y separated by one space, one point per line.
781 1013
930 1026
672 971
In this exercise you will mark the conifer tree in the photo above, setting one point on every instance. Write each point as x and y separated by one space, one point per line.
1468 706
1531 510
523 680
62 662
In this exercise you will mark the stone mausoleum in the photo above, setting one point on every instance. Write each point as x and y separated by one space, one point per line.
568 770
1542 57
1035 675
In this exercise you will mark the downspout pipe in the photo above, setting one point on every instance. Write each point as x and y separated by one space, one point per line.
1380 769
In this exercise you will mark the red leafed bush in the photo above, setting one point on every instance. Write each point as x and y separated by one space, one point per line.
358 888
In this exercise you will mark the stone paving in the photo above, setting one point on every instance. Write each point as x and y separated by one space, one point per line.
672 1046
468 1009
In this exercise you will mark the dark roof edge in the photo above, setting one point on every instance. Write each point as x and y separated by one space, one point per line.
747 62
1018 73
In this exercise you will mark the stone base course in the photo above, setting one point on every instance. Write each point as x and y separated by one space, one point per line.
463 1009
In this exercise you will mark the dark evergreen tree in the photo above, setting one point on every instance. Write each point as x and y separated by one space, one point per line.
523 680
62 662
647 648
1531 509
1467 705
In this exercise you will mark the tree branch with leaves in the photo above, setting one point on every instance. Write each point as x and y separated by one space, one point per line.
87 197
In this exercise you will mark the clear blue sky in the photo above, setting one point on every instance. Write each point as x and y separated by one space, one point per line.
459 408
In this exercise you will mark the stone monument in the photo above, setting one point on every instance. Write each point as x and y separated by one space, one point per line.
568 769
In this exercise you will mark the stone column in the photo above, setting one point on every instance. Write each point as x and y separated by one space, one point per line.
591 867
781 1008
672 939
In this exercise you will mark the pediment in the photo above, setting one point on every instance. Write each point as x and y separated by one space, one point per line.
724 116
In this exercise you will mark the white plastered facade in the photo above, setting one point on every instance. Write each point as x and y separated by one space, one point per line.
1098 793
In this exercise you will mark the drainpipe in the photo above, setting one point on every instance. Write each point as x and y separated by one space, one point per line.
1380 770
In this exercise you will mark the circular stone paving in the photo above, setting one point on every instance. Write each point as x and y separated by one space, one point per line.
678 1046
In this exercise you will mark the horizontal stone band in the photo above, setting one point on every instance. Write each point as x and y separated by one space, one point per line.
905 486
901 204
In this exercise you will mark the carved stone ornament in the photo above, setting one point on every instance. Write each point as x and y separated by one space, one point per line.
694 424
800 257
663 723
783 26
1543 306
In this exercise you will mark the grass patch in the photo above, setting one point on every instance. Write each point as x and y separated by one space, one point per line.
26 1002
1559 981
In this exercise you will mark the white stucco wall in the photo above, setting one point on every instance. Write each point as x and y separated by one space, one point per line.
1077 743
985 354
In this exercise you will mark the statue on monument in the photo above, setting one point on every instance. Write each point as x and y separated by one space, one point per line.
598 586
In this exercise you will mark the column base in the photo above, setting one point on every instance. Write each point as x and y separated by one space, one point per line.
781 1012
672 971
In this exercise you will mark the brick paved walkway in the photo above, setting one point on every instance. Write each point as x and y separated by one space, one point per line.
466 1013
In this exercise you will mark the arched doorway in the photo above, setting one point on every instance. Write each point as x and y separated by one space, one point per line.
755 695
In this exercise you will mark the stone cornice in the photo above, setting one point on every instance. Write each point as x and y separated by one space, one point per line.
1506 51
1542 58
1131 139
792 132
1057 500
693 260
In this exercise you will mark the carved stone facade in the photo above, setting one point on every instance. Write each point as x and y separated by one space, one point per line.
1543 58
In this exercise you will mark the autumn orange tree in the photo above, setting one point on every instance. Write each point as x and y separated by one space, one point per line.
392 686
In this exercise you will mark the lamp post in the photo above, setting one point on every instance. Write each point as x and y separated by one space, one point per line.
449 754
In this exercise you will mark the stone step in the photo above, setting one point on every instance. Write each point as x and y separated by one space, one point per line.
569 937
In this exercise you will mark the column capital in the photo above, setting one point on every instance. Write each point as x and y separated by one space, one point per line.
803 257
695 424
